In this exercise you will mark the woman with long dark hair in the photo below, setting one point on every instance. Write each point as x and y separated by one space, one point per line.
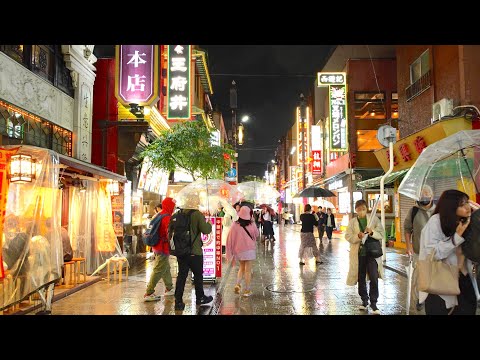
242 246
443 234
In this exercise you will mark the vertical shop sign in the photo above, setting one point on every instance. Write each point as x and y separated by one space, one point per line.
118 214
338 118
4 183
208 248
337 86
136 74
218 247
317 162
179 105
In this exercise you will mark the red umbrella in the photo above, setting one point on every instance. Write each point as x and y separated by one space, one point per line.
269 209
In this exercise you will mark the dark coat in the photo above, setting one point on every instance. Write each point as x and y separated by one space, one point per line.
332 217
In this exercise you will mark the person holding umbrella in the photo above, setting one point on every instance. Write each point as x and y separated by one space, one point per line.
307 240
267 221
329 224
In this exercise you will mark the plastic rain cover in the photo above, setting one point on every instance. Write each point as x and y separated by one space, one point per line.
442 166
91 224
32 247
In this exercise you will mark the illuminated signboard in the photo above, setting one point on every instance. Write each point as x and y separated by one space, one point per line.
127 203
331 78
316 137
136 74
179 82
317 162
303 137
212 250
338 118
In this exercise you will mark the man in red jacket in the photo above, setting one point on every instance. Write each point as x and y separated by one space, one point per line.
161 269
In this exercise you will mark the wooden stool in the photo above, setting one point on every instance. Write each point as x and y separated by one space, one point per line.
69 266
79 269
117 262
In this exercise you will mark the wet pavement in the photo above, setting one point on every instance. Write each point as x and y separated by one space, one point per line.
280 286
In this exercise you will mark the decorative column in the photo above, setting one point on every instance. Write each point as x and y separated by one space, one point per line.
79 60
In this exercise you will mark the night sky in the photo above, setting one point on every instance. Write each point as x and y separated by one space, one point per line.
269 81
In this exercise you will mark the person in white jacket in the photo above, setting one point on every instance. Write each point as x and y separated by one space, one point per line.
362 265
443 233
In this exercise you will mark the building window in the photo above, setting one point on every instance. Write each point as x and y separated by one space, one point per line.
420 76
45 61
420 67
370 105
20 127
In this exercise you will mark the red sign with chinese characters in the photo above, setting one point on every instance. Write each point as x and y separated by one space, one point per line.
218 247
136 74
317 162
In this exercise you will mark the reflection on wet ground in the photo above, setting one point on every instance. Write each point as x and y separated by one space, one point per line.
280 286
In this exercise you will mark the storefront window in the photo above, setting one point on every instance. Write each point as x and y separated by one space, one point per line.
344 201
388 202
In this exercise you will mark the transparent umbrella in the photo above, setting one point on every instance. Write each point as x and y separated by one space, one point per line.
450 163
258 192
205 195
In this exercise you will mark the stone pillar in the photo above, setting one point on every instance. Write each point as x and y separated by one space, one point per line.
79 60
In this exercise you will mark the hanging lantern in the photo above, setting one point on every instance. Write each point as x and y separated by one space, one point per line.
115 188
22 168
240 134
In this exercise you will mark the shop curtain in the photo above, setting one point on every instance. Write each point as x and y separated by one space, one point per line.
91 224
32 253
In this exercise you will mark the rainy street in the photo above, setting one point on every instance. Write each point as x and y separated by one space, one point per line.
280 286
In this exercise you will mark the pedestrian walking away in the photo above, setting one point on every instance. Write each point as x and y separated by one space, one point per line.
241 247
161 269
308 246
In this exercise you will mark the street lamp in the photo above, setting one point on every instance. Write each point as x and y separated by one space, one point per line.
245 118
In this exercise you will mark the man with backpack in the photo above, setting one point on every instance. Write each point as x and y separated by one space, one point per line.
184 232
157 237
416 219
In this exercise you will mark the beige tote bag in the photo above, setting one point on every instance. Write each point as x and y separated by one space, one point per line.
437 277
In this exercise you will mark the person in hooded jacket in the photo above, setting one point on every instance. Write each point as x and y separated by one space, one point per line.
161 269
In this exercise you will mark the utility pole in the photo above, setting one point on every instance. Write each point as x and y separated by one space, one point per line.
303 115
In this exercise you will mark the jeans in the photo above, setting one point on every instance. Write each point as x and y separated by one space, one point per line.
368 264
161 270
329 230
185 263
321 230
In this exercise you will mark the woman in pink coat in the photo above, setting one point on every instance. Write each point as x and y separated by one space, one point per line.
242 246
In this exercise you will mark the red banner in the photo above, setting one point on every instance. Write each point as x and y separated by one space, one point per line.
4 184
317 162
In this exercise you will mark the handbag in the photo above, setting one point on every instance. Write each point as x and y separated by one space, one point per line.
437 277
373 247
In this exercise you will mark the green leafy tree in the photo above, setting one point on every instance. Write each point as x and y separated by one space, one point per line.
187 146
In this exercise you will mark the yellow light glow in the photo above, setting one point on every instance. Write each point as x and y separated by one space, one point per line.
240 135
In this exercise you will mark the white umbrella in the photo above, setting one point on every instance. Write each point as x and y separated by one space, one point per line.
204 194
409 270
324 204
259 192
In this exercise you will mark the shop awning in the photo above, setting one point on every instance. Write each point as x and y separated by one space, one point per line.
375 182
93 169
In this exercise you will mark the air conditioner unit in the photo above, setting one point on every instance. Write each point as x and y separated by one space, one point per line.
441 108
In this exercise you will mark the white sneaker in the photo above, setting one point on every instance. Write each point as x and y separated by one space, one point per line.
376 310
151 297
170 292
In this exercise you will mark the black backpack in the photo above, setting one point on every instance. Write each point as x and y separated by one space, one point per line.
471 245
181 238
151 237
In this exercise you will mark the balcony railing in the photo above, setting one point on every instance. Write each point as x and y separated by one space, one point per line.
419 86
